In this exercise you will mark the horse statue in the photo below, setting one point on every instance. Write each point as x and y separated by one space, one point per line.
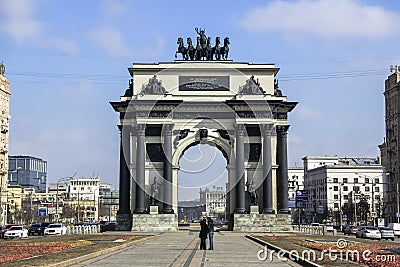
181 49
217 49
191 52
209 49
225 48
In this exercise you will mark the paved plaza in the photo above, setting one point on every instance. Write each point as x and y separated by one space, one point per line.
182 249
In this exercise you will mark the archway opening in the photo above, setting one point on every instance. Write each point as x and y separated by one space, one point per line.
202 183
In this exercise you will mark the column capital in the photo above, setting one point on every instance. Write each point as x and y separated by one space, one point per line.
240 129
282 129
267 129
125 127
139 129
167 129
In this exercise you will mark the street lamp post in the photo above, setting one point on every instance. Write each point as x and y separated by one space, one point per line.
58 183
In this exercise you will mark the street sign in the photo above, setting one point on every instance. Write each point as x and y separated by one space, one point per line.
373 214
344 217
398 214
56 216
42 212
301 197
381 222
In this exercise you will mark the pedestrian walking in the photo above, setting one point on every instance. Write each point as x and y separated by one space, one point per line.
203 233
211 232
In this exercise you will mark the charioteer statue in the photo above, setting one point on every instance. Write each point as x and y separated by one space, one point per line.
203 50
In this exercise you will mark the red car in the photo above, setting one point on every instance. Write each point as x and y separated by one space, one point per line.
5 228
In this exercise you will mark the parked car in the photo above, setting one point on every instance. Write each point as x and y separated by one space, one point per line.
55 229
387 233
315 224
6 227
369 232
350 229
108 226
329 227
43 227
34 229
16 231
395 227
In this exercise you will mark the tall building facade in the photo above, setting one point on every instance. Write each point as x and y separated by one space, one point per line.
4 118
391 147
28 172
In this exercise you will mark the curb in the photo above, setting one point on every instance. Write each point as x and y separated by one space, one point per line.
295 258
100 253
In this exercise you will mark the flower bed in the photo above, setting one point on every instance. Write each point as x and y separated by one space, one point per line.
367 254
10 251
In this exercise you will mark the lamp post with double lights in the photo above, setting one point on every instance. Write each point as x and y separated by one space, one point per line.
57 192
373 184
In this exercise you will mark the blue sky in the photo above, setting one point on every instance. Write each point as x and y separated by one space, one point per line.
66 60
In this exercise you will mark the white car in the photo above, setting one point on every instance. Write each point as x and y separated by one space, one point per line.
329 227
55 229
16 231
369 232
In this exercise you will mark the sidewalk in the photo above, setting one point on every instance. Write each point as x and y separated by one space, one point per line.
181 249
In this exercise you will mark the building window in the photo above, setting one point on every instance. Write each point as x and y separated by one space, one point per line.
336 205
367 189
346 197
335 196
377 180
345 180
356 189
356 180
336 188
335 180
345 188
366 180
376 189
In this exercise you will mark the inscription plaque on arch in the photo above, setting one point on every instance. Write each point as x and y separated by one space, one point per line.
203 83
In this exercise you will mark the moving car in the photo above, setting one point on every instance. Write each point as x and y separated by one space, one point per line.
396 228
43 226
387 233
16 231
34 229
369 232
55 229
329 227
350 229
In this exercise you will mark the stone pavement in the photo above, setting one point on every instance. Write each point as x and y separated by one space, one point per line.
181 249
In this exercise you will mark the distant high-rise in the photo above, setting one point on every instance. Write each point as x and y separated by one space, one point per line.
28 172
390 149
4 123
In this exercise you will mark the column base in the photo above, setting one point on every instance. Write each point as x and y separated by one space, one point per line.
140 211
284 211
268 211
240 211
124 222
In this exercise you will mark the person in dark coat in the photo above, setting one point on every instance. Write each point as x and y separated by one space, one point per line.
203 233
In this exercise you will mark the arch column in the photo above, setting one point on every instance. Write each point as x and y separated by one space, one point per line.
167 170
140 168
282 173
124 174
266 132
240 179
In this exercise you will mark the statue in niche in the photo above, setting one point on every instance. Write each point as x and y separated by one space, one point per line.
252 87
277 91
203 134
153 87
154 192
251 189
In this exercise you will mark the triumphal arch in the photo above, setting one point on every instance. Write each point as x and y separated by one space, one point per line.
203 98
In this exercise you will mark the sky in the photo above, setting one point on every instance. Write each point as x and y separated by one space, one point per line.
66 60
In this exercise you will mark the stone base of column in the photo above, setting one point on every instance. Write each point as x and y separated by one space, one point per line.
124 222
240 211
268 211
262 223
284 211
154 222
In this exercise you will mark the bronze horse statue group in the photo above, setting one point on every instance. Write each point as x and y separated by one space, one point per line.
203 49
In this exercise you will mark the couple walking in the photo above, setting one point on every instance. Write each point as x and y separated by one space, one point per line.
206 230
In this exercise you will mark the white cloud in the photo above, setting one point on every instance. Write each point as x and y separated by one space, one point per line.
110 40
18 21
324 18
